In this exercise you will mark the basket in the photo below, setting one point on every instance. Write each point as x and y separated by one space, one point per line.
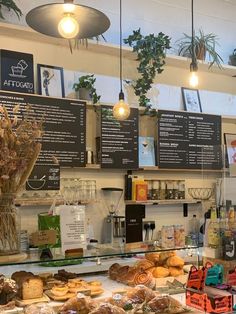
200 193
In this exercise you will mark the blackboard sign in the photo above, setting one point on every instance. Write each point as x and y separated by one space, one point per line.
44 177
119 140
64 127
189 140
17 71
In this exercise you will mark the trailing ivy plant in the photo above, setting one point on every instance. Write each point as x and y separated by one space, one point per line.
10 5
151 53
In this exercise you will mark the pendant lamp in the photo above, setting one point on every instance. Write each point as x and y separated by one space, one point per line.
67 20
121 110
193 80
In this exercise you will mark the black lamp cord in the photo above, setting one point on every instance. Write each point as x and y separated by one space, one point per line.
121 94
193 65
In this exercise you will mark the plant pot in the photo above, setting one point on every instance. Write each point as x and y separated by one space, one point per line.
84 94
232 60
201 52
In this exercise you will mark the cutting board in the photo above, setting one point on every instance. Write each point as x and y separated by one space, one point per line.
13 258
23 303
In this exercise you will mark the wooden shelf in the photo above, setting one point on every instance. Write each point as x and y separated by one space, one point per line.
164 202
156 168
26 33
37 201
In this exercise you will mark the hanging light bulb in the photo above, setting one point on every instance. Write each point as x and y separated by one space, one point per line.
193 79
121 110
68 27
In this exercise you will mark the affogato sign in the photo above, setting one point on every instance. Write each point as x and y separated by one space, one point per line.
17 71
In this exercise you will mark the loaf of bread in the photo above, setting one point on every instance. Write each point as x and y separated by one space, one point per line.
30 286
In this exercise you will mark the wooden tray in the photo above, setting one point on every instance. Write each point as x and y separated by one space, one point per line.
59 298
23 303
13 258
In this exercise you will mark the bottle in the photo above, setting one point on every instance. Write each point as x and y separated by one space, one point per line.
194 231
214 230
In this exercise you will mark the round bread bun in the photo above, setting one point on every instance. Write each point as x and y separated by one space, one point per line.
176 271
175 261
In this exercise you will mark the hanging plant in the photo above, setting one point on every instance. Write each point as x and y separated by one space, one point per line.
151 53
10 5
76 43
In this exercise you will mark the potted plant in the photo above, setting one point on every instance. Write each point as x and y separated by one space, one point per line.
10 5
232 58
85 88
151 53
204 45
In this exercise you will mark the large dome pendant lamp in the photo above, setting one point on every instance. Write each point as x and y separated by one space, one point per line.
193 80
121 110
67 20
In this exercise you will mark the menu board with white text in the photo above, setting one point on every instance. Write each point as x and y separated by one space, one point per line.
189 140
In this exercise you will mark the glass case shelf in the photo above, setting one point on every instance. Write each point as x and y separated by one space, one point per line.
103 251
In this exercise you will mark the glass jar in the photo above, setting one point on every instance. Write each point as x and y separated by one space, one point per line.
9 225
179 235
167 237
162 190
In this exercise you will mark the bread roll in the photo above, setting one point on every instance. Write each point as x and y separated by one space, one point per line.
164 255
107 308
113 271
176 271
175 261
144 264
159 272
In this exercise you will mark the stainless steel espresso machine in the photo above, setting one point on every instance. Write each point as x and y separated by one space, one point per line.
114 225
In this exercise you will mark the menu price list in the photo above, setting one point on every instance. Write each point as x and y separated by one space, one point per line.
119 140
189 140
64 126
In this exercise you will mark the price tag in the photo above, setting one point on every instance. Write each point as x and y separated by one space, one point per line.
44 237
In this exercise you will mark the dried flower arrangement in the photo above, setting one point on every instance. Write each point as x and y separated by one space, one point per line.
19 149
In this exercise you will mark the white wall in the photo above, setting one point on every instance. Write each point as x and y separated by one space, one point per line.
169 16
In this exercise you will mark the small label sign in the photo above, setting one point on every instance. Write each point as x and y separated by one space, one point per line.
44 237
43 178
17 71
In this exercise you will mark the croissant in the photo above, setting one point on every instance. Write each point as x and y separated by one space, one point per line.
144 264
113 271
175 261
176 271
144 277
164 255
122 273
153 257
159 272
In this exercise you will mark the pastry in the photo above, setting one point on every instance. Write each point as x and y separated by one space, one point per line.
164 255
144 277
39 308
107 308
176 271
8 306
64 275
59 291
80 304
30 286
144 264
159 304
153 257
113 271
175 306
8 290
139 294
159 272
122 273
175 261
129 278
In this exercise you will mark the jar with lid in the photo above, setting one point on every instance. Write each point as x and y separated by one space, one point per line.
179 235
167 237
162 190
156 190
181 190
170 190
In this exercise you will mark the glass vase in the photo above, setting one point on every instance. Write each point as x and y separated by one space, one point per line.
9 225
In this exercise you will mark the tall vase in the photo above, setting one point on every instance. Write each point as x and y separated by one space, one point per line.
9 225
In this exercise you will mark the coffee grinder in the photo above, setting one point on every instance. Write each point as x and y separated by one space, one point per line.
114 225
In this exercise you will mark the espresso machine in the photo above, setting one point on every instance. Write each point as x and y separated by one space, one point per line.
114 225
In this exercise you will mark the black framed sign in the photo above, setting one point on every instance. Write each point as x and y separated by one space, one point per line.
189 140
44 177
191 99
17 71
119 140
50 81
64 135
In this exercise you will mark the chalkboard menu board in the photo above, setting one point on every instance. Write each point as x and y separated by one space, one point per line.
119 140
64 127
189 140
